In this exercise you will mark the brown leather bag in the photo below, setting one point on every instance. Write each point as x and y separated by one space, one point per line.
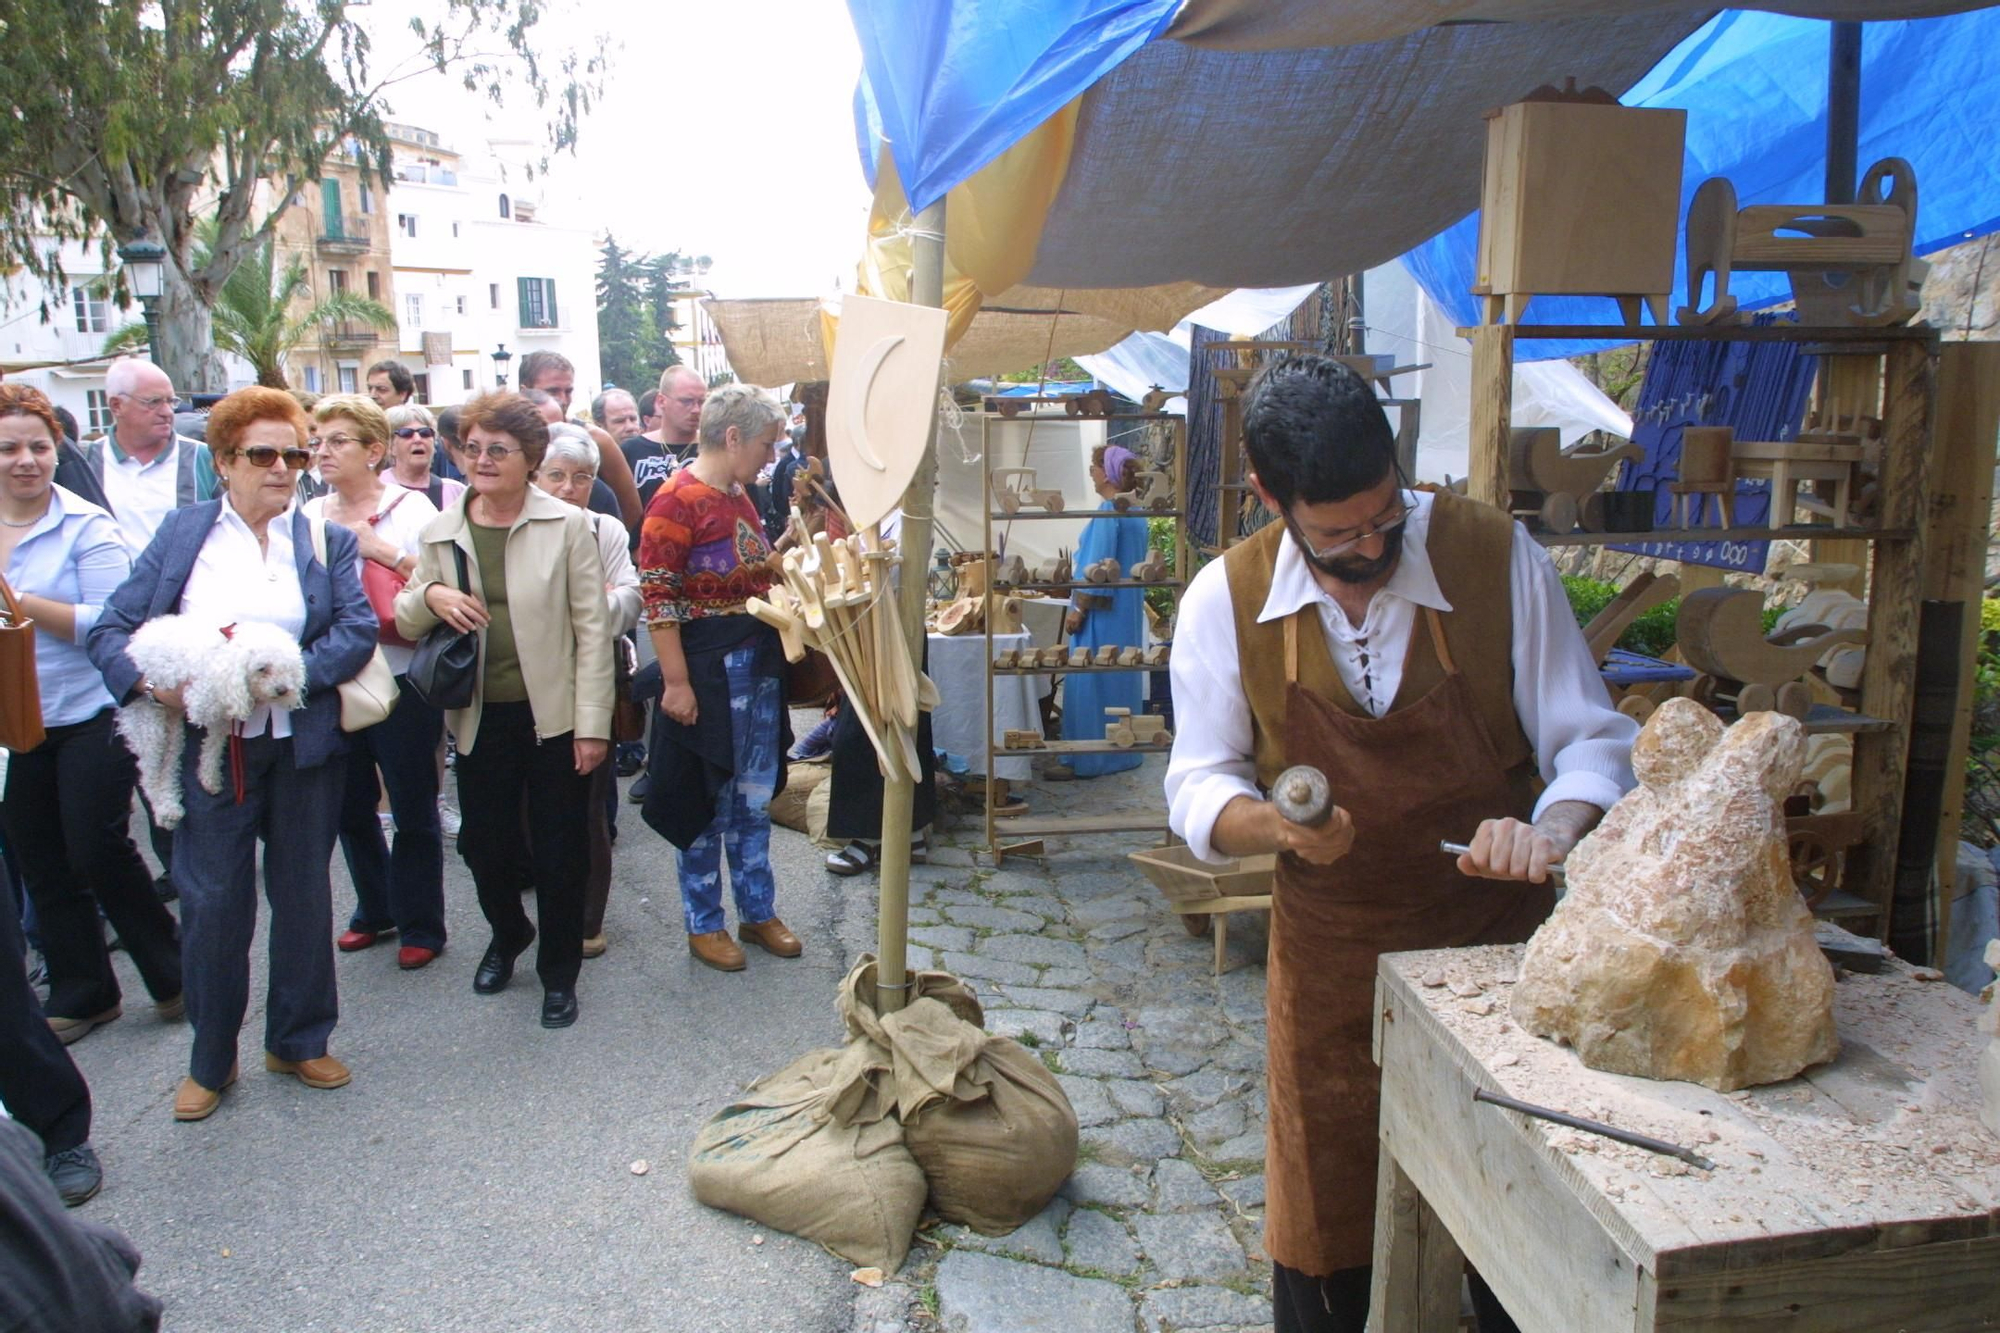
20 690
628 715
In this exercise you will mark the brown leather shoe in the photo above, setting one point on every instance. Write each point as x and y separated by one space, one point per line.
69 1030
717 950
771 936
171 1010
194 1102
322 1071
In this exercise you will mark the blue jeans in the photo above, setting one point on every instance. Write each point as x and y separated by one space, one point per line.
742 824
400 886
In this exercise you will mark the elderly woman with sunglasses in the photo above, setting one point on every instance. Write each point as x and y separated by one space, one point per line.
248 556
568 469
539 723
399 887
413 444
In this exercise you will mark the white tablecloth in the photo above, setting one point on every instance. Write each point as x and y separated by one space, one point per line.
959 726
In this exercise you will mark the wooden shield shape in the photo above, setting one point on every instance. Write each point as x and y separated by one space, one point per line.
881 401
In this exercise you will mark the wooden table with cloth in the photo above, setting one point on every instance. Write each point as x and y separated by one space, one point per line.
1419 651
959 724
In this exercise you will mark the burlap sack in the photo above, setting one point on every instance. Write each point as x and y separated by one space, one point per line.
809 1151
986 1120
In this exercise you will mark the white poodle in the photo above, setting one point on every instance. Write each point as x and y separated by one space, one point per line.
222 681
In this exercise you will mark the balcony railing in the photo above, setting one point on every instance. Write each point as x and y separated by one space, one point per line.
347 236
425 174
351 333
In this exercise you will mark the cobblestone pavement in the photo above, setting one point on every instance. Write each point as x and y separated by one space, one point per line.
1076 956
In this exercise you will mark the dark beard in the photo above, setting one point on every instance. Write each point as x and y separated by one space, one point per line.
1349 569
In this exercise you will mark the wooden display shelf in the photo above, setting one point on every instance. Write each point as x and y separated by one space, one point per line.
1082 747
1087 587
1087 514
1793 532
1750 333
1035 826
1003 418
1065 670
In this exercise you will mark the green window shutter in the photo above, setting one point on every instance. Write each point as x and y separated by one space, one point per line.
527 293
329 191
549 299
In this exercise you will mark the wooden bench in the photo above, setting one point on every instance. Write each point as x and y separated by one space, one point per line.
1862 1195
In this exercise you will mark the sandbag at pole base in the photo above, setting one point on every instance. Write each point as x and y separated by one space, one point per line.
841 1146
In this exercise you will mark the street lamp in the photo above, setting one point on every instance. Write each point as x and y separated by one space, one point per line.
146 273
500 360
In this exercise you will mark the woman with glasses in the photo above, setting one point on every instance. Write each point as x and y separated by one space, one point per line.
399 886
1115 617
68 800
568 469
248 556
413 446
540 719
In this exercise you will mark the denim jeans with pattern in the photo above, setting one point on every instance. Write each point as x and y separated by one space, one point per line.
742 825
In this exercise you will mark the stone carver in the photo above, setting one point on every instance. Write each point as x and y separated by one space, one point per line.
1418 650
1683 950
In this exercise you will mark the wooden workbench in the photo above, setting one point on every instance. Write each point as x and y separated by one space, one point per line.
1863 1195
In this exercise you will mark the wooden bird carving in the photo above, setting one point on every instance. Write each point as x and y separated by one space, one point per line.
1721 632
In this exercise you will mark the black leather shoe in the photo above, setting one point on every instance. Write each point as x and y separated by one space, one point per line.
496 968
558 1008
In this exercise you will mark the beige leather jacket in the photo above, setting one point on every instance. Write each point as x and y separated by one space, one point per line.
562 626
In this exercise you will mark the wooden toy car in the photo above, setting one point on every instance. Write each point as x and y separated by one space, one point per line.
1007 659
1021 740
1124 729
1014 490
1152 569
1552 484
1106 570
1107 655
1155 490
1156 654
1128 657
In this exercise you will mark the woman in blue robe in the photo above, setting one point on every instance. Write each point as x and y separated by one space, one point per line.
1086 694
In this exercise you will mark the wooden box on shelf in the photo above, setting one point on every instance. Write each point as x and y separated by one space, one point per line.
1581 197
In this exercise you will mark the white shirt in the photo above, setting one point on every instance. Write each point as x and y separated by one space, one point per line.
406 513
143 494
235 579
1583 746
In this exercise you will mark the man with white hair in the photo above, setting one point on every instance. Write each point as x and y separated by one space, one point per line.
616 413
147 470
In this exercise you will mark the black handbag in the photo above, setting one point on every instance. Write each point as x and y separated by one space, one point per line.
445 663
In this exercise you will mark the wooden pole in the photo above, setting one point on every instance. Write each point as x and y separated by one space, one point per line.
1492 407
914 540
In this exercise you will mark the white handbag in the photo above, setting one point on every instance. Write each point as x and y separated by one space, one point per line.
371 694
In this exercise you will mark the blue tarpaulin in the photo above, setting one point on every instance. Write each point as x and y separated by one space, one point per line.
1754 87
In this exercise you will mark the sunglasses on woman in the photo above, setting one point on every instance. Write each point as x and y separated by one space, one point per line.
415 433
264 455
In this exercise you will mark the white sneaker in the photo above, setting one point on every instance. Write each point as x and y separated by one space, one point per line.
448 819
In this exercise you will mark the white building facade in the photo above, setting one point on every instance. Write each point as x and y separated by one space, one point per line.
481 267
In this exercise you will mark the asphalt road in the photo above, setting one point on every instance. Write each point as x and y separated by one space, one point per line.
476 1173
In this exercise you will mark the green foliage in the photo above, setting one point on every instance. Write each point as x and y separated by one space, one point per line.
126 113
635 314
1062 370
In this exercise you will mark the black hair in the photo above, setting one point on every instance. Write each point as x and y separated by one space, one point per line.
1315 431
68 422
399 376
447 425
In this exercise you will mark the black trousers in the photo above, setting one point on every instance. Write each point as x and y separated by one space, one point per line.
506 772
1338 1302
40 1085
65 814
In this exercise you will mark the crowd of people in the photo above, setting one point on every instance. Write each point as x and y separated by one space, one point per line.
584 558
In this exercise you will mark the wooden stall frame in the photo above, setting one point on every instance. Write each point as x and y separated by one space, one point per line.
1909 358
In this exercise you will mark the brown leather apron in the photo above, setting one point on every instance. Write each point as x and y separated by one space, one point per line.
1425 771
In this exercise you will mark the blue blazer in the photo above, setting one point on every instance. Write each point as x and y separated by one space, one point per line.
340 627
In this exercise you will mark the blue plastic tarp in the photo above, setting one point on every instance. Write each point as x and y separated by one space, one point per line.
951 86
1754 87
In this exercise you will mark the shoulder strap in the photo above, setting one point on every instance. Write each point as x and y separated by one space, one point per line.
376 518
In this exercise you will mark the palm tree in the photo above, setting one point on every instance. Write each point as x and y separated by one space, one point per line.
253 315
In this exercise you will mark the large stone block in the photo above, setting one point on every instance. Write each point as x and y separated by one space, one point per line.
1683 949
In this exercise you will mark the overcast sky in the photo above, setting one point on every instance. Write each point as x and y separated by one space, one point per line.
725 129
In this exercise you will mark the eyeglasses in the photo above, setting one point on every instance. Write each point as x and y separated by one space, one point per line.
264 455
415 433
494 452
157 401
336 441
1387 521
